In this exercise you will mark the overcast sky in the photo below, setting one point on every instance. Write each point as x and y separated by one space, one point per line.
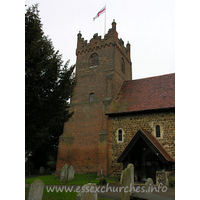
148 25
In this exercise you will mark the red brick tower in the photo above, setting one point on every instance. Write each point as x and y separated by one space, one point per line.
102 66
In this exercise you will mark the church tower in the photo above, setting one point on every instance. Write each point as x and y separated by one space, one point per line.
102 66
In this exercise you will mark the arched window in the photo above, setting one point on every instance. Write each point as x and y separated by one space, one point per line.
157 131
122 65
91 96
119 135
94 60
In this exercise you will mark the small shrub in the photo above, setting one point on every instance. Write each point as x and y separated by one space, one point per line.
51 163
172 182
57 174
102 181
42 170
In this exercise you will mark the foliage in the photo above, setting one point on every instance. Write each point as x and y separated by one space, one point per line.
171 182
42 170
48 87
29 167
102 181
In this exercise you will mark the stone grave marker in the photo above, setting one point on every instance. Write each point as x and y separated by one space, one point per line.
71 173
101 170
148 185
89 192
36 190
63 173
127 181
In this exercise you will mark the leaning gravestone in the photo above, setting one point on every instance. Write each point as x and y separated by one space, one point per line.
70 173
36 190
148 185
89 192
63 173
127 182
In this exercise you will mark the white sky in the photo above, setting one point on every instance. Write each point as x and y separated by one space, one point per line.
148 25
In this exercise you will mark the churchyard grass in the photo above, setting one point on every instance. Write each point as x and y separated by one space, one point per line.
79 179
57 195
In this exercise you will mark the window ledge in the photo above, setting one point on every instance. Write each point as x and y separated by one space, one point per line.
93 66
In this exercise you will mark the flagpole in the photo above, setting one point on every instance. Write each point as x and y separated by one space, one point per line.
105 21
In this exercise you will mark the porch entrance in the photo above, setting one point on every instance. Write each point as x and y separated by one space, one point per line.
145 162
146 157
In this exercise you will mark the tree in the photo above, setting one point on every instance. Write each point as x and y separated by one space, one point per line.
48 87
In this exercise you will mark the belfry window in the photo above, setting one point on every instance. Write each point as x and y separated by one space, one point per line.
94 60
91 96
120 135
122 65
157 131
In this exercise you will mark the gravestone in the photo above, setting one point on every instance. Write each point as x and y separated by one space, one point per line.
127 182
162 177
70 173
101 170
63 173
36 190
89 192
148 185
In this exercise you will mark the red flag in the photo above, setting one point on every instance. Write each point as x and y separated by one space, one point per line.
100 12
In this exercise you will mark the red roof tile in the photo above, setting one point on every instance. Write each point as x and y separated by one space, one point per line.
145 94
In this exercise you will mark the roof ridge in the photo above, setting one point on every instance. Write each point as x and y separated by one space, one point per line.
154 76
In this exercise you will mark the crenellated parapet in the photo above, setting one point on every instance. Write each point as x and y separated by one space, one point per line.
111 38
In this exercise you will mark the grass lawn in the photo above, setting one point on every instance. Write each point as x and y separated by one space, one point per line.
79 179
57 195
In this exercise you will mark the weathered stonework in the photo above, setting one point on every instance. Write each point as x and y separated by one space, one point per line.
130 124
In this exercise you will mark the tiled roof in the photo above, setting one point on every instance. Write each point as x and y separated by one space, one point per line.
150 139
145 94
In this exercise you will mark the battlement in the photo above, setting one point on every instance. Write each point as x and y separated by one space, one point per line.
111 38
